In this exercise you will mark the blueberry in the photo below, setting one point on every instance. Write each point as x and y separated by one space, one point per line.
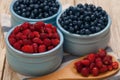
87 18
46 8
65 27
41 5
17 3
93 17
80 5
36 6
22 6
46 15
19 12
35 11
93 29
23 14
23 10
98 29
32 15
76 28
86 25
27 14
40 16
28 8
77 32
82 31
71 29
87 31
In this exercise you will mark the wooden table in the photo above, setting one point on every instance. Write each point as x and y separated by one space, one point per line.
111 6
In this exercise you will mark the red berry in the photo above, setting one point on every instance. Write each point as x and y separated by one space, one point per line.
27 49
55 35
50 47
25 25
27 42
37 40
43 35
55 42
48 30
26 32
95 71
78 66
92 65
98 59
12 40
91 57
39 26
85 71
47 42
107 60
115 65
18 35
36 34
42 48
110 68
23 37
31 35
103 69
102 53
49 26
35 47
85 62
54 29
17 45
99 64
16 30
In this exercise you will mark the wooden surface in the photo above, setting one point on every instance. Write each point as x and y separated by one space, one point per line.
111 6
69 72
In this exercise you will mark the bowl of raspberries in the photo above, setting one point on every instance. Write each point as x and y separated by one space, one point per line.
34 10
32 48
85 27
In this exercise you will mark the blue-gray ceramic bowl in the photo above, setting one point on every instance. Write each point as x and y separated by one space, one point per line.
83 44
16 19
36 64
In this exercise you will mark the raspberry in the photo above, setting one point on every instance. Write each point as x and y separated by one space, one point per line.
110 68
49 26
107 60
18 35
55 35
50 47
48 30
23 37
12 40
36 34
27 49
95 71
85 62
17 46
42 48
43 35
26 32
78 66
55 42
115 65
102 53
85 71
35 47
31 35
47 42
99 64
16 30
37 40
25 25
39 26
103 69
91 57
54 29
27 42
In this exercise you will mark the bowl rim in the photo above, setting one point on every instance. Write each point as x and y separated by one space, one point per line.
33 54
82 36
28 19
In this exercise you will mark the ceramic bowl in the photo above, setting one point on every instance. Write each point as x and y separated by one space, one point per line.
36 64
16 19
83 44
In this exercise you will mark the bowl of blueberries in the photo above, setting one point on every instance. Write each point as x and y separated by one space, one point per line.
34 10
85 27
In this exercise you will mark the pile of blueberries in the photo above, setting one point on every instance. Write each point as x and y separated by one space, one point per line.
36 9
84 19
